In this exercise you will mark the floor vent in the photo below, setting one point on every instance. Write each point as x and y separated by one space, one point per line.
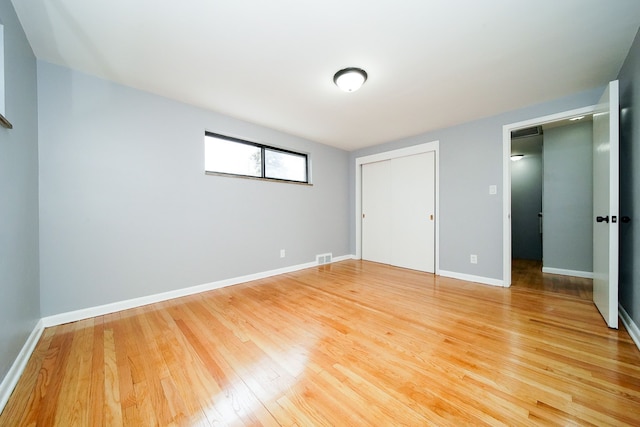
324 259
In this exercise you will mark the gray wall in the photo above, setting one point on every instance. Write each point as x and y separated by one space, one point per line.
630 182
127 211
470 161
568 197
19 277
526 199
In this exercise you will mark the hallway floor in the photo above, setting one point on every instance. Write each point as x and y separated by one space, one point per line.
528 274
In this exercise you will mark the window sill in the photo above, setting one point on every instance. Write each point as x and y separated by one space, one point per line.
5 123
284 181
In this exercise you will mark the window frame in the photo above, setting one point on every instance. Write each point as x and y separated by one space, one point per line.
3 89
263 165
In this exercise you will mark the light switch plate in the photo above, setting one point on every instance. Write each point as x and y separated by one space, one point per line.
493 189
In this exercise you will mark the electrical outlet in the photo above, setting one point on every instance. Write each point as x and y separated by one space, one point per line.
282 253
474 259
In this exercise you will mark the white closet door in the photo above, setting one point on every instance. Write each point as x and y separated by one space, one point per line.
413 210
398 208
376 212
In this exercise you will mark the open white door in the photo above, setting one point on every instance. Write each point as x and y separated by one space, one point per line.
606 205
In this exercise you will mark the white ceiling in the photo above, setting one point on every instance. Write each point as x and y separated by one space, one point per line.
431 63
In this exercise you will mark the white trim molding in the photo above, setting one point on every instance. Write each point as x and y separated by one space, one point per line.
86 313
630 325
506 176
472 278
17 368
563 272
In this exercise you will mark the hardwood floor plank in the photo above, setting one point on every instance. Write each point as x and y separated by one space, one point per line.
112 412
350 343
154 367
61 347
72 401
97 373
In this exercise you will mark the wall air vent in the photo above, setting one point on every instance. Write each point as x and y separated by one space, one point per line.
324 259
524 133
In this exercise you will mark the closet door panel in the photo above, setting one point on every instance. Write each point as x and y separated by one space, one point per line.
376 212
412 212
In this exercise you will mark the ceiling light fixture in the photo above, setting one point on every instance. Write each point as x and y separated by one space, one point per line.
517 157
350 79
576 118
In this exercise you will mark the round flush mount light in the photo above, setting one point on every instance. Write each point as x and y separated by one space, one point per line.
517 157
350 79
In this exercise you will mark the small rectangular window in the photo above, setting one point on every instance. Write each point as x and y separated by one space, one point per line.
285 165
228 156
233 156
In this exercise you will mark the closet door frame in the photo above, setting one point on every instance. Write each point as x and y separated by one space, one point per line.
388 155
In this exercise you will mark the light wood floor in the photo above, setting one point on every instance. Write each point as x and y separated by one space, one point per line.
346 344
528 274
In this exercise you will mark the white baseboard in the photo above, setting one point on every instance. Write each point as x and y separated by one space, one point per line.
628 323
563 272
344 258
11 379
86 313
471 278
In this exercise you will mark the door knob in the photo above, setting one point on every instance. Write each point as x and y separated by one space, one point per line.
625 219
602 218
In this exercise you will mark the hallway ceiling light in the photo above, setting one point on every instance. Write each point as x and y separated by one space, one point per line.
516 157
350 79
576 118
